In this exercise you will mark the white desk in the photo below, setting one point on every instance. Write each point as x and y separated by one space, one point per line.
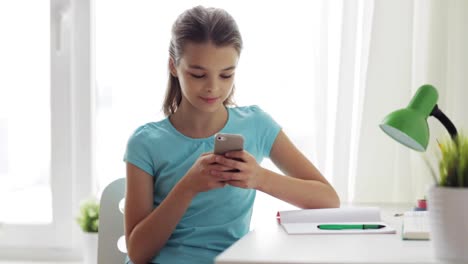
271 244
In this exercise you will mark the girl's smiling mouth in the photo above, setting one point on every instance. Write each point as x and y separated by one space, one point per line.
209 100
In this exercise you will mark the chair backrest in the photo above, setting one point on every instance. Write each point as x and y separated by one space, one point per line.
111 224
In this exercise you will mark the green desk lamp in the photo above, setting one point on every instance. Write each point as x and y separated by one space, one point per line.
409 125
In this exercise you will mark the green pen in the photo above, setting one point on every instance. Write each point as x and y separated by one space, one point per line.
351 226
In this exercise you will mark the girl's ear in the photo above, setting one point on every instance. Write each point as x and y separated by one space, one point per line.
172 67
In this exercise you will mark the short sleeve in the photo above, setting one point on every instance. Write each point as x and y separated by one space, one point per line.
137 151
267 130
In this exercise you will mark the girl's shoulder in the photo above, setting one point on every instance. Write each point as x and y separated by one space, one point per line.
151 130
250 110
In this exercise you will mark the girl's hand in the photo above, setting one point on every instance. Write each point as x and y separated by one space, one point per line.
199 177
249 175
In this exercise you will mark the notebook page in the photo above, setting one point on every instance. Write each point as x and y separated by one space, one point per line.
346 214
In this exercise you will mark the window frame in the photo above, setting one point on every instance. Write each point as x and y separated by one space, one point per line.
72 122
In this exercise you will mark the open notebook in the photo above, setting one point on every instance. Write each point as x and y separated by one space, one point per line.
307 221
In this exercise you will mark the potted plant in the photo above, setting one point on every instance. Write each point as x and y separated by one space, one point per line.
88 219
448 216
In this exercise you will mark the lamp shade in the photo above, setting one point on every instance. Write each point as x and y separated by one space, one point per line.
409 125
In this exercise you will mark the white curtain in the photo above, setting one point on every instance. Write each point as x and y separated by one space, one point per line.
341 141
390 49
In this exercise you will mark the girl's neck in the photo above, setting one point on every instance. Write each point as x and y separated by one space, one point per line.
196 124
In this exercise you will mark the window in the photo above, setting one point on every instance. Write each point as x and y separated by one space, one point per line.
25 115
40 115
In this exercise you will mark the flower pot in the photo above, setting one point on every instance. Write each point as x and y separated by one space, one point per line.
448 222
90 246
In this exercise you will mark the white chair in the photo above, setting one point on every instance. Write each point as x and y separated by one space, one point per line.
111 241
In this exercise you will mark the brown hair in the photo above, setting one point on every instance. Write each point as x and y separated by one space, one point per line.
199 25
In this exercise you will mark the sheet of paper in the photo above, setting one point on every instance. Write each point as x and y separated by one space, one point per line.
311 228
307 221
346 214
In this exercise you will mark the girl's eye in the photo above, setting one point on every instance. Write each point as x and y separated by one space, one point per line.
226 76
197 76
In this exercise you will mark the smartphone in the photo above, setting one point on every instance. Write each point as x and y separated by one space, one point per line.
228 142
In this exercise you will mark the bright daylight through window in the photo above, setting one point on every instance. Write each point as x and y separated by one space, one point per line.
25 113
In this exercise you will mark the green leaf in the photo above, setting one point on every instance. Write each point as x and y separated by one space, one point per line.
453 162
88 218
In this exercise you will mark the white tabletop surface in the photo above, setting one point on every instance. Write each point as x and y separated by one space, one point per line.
269 243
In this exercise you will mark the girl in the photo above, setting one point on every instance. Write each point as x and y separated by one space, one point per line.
183 204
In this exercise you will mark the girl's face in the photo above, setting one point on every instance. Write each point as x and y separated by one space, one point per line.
206 75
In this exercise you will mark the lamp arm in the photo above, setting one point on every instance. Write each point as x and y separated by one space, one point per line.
437 113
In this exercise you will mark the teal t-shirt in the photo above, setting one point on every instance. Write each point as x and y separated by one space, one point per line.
215 219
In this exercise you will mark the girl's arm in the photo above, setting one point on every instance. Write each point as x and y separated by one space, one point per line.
147 230
306 188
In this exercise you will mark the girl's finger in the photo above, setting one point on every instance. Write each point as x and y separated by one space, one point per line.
230 175
240 155
219 167
230 162
218 177
209 158
236 176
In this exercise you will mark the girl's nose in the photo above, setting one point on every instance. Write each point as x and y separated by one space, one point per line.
211 85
